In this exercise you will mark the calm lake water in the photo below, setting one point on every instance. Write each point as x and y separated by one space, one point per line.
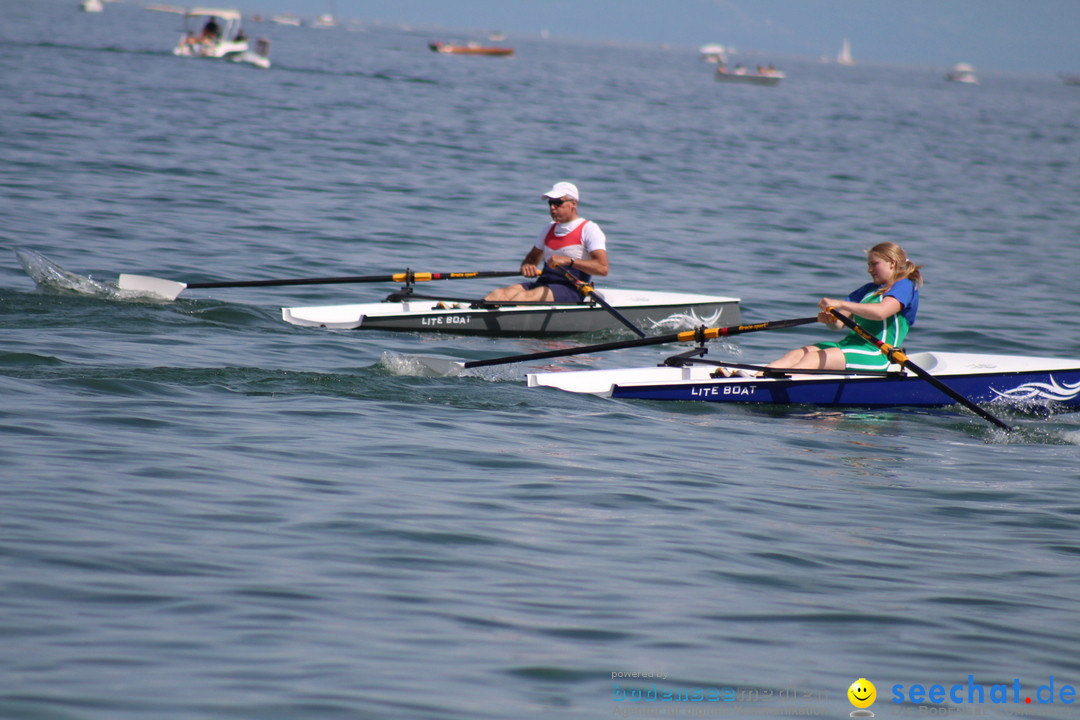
208 513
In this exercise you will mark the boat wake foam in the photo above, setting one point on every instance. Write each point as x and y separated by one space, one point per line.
48 274
1072 437
441 366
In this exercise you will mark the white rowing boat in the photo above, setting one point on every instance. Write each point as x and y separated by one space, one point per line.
648 310
981 378
406 310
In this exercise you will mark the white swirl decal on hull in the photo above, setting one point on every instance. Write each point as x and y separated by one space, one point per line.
1042 391
685 321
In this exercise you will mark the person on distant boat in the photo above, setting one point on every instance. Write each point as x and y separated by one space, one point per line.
569 244
211 31
885 307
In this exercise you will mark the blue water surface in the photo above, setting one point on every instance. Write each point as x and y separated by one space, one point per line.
206 512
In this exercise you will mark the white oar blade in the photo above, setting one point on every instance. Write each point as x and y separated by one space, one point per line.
421 365
147 285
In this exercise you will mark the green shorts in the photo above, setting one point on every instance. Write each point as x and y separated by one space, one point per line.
858 353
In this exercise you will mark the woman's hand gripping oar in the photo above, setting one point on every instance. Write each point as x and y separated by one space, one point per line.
897 356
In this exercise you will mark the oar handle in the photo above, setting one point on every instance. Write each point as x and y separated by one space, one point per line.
898 356
405 277
701 334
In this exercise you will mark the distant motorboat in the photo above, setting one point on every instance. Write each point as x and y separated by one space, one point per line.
844 58
287 20
259 57
962 73
768 76
713 53
1071 79
220 36
472 48
92 6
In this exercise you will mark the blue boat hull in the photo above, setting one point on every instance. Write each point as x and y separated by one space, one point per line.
1057 387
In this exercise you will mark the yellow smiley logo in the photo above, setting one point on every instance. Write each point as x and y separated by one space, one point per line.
862 693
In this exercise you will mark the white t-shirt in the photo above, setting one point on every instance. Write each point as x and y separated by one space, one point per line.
592 238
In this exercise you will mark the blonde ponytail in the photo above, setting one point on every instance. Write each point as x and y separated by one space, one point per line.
904 268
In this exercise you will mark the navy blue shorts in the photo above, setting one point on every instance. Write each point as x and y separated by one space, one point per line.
563 293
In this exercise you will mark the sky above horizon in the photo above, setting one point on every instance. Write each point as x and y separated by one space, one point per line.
1031 36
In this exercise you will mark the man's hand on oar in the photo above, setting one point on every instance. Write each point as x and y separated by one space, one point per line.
897 356
169 289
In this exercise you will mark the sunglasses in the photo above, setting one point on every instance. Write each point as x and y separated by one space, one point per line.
558 203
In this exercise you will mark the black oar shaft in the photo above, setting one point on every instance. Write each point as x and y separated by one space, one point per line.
700 335
396 277
898 356
588 290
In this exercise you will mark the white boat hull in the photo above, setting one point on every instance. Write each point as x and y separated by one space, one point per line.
749 78
651 311
210 50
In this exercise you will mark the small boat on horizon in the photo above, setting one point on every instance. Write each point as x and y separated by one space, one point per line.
287 19
844 57
259 56
962 73
92 6
713 53
472 48
768 76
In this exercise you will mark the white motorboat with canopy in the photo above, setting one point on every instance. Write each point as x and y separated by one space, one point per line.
962 73
220 34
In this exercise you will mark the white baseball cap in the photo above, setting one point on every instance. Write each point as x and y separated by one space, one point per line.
562 189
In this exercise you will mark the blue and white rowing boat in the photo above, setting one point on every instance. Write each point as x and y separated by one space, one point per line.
1019 380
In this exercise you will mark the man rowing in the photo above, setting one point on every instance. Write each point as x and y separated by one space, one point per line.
569 244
